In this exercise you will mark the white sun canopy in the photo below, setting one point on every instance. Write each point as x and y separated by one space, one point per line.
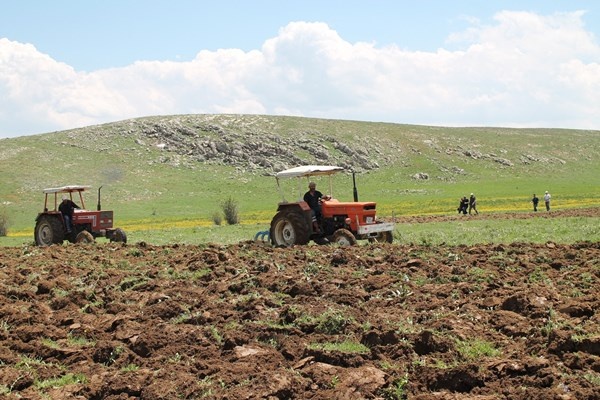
67 189
308 170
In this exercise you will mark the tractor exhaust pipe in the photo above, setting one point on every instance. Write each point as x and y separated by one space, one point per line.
99 207
355 192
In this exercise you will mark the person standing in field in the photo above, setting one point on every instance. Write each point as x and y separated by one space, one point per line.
547 200
473 204
462 206
535 202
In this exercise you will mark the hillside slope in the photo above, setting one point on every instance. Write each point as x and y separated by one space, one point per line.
178 166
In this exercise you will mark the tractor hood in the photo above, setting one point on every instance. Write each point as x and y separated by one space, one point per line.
308 170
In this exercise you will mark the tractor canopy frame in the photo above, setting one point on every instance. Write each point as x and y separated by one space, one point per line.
306 171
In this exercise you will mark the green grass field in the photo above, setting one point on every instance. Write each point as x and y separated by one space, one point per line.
162 197
468 232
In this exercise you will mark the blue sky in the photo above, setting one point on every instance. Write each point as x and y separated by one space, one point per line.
68 64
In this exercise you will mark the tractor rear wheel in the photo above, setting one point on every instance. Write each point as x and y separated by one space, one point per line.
49 230
84 237
343 237
383 237
289 228
119 236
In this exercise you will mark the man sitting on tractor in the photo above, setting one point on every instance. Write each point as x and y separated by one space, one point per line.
313 198
67 207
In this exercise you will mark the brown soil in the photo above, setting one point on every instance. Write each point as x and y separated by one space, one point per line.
249 321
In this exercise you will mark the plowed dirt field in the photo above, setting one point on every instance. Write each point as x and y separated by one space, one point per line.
248 321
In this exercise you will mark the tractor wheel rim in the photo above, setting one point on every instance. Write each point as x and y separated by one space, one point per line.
343 241
285 233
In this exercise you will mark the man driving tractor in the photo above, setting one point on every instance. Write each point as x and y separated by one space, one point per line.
313 198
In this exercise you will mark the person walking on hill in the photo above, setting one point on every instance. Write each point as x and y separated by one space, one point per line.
473 204
547 200
535 202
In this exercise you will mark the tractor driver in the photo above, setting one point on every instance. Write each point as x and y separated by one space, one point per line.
67 207
313 199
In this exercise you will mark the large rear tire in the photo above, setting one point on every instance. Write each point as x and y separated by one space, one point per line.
343 237
49 230
383 237
289 228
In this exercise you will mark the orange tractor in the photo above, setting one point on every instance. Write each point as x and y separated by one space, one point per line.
50 227
339 222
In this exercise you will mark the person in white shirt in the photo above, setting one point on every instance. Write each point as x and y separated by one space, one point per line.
547 200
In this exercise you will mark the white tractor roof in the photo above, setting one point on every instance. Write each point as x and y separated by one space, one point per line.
308 170
67 189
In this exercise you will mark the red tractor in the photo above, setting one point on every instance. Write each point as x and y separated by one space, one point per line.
87 225
339 222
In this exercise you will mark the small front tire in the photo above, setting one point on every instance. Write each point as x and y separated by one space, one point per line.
343 237
84 237
383 237
119 236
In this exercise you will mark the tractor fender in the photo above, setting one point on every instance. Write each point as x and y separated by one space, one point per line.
301 206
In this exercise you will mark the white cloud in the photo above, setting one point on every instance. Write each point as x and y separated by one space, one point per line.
523 70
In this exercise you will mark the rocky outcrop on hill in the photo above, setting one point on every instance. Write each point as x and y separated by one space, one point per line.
252 149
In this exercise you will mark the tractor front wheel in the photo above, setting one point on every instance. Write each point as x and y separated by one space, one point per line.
343 237
119 236
84 237
383 237
288 229
49 230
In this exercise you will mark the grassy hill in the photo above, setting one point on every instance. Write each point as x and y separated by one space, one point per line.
176 170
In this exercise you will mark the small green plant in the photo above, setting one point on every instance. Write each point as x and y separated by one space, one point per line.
114 354
80 341
230 210
538 276
58 292
5 389
68 379
4 326
27 362
50 343
346 346
136 252
480 275
334 381
476 348
396 390
217 218
332 322
181 318
214 332
311 269
130 368
592 378
551 323
4 223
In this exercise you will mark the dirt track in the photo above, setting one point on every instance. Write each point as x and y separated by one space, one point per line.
248 321
559 213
